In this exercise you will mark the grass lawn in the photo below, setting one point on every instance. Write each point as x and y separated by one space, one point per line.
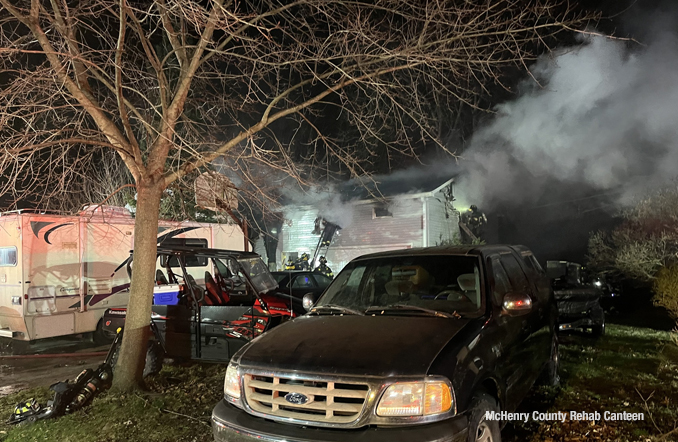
630 369
177 407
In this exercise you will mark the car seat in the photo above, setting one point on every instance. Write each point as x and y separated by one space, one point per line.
195 290
407 280
216 295
160 278
468 284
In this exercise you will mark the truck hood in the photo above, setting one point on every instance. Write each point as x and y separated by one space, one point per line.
353 345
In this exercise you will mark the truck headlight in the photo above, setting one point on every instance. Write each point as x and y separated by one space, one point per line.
232 384
416 399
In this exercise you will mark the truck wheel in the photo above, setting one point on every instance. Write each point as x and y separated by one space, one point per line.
551 377
479 428
154 358
598 329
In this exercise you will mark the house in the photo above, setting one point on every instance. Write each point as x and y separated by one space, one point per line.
405 214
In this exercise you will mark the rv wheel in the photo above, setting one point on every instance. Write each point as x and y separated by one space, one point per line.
154 358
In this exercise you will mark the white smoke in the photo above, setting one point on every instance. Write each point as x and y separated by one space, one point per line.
605 115
327 201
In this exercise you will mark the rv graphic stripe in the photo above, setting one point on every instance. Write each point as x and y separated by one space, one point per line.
95 299
160 240
36 226
49 232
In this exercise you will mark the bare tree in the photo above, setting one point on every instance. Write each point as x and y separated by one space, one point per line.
171 86
644 243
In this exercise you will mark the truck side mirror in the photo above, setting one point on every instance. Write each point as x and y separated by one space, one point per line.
307 301
516 304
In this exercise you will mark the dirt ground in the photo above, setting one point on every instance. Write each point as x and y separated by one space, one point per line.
49 362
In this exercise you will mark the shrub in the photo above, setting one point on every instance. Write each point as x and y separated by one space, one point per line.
666 289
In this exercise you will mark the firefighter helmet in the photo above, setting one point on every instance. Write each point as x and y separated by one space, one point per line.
25 410
323 260
474 207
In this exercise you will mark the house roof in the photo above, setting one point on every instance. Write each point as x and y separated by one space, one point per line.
393 185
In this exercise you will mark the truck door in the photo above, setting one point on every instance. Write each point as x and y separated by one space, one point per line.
513 332
539 340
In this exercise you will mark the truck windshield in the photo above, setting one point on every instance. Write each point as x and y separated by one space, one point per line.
439 283
261 278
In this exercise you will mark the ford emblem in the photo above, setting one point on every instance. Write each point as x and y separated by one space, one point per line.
296 398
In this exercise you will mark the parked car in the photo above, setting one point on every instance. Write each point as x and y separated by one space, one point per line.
409 345
578 300
207 304
299 283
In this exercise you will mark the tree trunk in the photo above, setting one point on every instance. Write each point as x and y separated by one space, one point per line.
130 365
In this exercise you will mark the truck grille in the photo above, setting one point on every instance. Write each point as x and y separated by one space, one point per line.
326 401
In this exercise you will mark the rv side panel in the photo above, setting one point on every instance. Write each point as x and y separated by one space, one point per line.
51 259
107 243
11 278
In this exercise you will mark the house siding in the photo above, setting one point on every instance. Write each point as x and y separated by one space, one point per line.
365 234
443 221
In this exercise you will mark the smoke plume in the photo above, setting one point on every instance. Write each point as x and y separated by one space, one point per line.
603 115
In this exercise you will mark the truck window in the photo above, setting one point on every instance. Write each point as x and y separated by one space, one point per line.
7 256
322 280
500 282
303 281
519 282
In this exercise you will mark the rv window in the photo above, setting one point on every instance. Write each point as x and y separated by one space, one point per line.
184 242
7 256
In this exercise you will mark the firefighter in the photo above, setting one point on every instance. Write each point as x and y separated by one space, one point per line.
476 221
303 263
324 268
290 265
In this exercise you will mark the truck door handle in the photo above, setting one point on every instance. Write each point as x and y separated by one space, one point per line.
479 363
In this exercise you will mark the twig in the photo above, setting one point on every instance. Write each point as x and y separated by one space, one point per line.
647 408
185 415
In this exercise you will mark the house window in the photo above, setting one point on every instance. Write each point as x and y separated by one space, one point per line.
381 212
7 256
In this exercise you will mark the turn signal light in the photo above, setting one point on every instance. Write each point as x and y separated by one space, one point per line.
415 399
437 399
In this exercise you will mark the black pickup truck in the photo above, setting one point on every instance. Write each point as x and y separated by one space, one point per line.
578 300
412 345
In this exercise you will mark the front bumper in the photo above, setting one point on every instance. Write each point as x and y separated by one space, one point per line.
230 424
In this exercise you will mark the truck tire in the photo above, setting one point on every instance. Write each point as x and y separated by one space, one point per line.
598 329
479 428
154 358
550 376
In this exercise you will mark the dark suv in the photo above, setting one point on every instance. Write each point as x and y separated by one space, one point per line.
411 345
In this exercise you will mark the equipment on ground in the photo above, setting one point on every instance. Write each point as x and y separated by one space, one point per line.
69 396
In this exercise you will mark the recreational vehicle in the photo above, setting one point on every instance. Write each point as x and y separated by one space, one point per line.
59 274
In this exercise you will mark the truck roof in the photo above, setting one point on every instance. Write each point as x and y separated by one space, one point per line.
448 250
